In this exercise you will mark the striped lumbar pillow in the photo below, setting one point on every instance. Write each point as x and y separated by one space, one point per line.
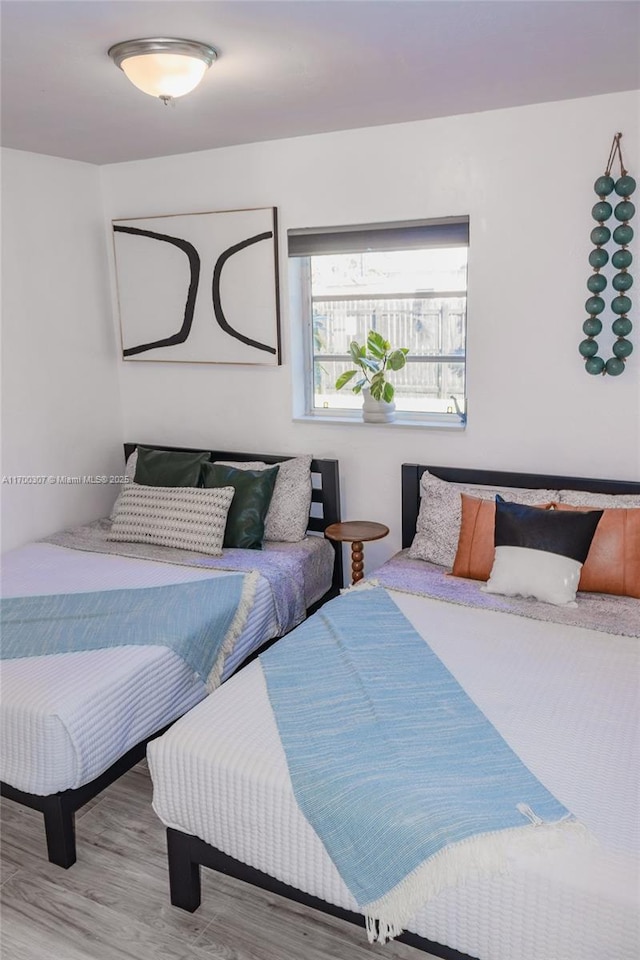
540 553
189 518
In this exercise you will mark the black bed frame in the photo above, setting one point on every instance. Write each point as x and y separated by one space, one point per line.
412 474
59 808
187 853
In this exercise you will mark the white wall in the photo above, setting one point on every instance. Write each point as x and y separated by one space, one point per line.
61 413
525 177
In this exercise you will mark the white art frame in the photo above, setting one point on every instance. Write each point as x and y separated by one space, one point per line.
199 287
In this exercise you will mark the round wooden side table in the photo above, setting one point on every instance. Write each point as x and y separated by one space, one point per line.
357 533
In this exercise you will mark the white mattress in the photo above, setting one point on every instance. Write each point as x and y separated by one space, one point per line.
66 718
565 698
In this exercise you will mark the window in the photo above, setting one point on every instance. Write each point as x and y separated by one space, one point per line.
406 280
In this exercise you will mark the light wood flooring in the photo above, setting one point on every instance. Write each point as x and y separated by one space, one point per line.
113 904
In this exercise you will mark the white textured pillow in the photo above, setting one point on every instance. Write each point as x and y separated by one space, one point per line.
129 473
288 514
190 518
601 501
130 468
438 526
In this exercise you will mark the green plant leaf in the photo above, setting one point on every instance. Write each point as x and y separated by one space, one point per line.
372 365
357 387
377 385
377 345
356 351
344 378
396 360
388 392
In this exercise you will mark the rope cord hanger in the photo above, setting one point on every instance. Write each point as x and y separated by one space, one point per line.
621 260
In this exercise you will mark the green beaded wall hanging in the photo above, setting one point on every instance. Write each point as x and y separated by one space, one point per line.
621 260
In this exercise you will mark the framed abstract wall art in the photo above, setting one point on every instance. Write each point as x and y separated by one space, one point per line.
199 287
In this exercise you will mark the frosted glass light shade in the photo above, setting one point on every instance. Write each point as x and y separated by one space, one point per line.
162 67
164 74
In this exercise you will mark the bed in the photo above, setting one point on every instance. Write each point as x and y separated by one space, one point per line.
72 722
558 683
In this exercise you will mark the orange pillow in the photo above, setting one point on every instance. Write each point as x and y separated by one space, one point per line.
613 561
476 543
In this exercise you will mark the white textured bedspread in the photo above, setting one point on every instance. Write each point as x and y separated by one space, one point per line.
566 700
67 717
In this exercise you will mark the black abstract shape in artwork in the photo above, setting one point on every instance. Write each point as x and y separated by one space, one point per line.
217 305
194 264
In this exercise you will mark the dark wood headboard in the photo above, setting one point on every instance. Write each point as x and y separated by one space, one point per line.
326 492
412 472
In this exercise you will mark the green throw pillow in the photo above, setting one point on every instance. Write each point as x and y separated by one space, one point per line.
253 492
169 468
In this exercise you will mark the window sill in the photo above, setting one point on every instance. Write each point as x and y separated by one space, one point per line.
398 423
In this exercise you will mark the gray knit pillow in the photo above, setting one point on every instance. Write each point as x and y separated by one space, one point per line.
288 514
129 473
190 518
603 501
438 526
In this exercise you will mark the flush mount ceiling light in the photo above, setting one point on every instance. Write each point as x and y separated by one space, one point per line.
163 67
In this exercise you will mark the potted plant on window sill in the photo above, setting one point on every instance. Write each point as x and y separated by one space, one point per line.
373 360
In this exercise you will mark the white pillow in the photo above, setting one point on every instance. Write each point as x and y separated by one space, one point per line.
288 514
439 518
190 518
518 572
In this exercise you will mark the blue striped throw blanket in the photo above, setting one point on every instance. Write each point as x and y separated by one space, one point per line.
198 620
403 778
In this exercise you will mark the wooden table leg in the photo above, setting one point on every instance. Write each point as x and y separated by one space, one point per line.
357 561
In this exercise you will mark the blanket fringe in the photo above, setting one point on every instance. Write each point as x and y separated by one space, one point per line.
361 585
485 855
237 626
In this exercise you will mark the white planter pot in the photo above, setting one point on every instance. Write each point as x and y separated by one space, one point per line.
377 411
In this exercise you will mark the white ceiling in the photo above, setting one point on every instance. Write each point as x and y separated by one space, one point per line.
287 68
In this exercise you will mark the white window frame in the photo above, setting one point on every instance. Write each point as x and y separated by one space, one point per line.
304 243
